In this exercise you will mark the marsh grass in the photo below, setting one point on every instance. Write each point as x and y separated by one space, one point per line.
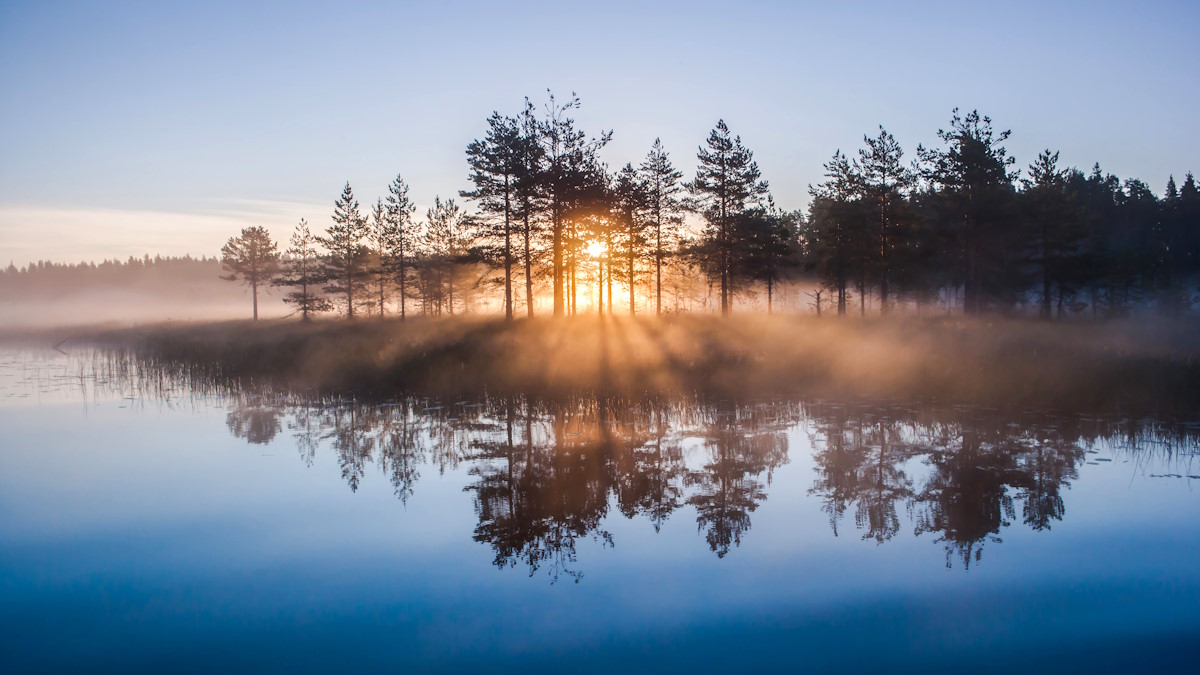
1137 366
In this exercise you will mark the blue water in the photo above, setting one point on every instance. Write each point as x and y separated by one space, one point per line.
177 526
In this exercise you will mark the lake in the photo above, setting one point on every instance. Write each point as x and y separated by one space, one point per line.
154 520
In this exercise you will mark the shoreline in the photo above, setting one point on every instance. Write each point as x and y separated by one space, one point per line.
1127 365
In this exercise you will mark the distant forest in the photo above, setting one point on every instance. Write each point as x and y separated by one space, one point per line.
177 276
959 227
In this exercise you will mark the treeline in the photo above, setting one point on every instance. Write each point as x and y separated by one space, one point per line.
962 222
44 279
959 227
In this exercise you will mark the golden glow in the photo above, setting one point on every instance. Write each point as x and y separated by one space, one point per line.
596 249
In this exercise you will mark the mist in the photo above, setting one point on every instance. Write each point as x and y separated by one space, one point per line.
1011 363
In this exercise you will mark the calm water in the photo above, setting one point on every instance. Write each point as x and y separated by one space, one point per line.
153 522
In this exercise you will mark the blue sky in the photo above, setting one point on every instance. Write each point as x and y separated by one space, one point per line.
164 127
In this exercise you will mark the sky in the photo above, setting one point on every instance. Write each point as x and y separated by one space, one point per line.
163 128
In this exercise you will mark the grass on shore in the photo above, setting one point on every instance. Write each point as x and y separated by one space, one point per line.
1127 364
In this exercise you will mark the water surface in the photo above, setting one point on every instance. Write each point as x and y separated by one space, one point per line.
154 520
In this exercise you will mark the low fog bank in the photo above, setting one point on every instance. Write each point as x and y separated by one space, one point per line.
47 295
119 307
1119 365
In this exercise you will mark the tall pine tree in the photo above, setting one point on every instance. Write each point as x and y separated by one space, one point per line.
727 182
494 162
301 273
884 180
345 268
661 181
976 194
400 210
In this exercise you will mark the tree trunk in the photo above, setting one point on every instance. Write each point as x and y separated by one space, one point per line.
254 292
608 260
724 264
528 266
658 265
600 286
403 280
631 310
304 296
571 260
557 262
508 308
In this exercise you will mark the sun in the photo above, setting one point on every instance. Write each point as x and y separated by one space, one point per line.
596 249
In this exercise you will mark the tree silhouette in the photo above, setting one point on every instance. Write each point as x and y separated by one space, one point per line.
346 265
402 241
1054 233
251 257
573 182
727 182
444 252
495 171
301 273
530 191
382 235
661 181
884 181
770 242
976 199
835 235
629 199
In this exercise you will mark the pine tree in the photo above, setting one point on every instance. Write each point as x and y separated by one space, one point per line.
301 272
530 191
494 172
835 232
345 267
727 182
1054 233
976 195
400 210
1189 227
770 238
252 258
572 181
444 247
382 235
629 199
661 180
884 180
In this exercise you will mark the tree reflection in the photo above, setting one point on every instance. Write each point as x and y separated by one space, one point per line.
742 445
650 470
544 475
402 449
536 498
979 465
254 419
860 462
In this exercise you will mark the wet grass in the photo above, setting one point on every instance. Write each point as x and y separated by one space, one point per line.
1129 365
